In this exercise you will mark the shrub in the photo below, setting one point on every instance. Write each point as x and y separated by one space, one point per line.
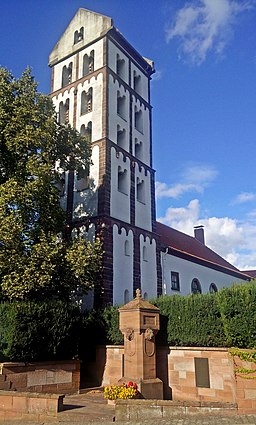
237 307
31 331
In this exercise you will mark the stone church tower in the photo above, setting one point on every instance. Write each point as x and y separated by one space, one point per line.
101 86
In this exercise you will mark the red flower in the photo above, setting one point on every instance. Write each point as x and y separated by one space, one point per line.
130 384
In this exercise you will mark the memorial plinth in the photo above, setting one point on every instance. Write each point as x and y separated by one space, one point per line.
139 323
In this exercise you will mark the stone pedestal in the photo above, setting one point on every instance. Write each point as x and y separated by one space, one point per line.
139 322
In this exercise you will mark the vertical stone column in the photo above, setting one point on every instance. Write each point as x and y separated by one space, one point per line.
139 323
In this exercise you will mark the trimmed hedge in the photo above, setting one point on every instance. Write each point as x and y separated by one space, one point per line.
223 319
31 331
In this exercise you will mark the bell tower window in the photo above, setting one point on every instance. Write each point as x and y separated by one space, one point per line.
136 82
87 131
121 105
64 112
120 66
79 35
122 184
88 63
138 149
140 190
121 137
138 120
67 75
86 101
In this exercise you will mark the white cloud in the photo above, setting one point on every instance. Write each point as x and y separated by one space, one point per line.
244 197
194 179
232 239
157 75
203 26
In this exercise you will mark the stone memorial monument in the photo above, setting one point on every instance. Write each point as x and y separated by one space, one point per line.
139 323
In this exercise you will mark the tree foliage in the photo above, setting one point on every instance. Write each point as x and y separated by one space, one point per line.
35 150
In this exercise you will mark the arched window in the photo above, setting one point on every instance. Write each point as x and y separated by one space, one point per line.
66 75
87 131
79 35
136 82
138 120
120 66
196 287
64 112
126 296
122 184
145 296
86 101
144 253
121 137
88 63
138 149
127 248
83 182
213 288
121 105
140 190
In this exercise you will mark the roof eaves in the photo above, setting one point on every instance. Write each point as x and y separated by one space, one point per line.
212 264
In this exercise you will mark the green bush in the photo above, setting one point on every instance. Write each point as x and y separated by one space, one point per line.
237 307
31 331
193 320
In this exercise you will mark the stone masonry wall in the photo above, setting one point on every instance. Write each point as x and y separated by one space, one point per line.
51 377
176 368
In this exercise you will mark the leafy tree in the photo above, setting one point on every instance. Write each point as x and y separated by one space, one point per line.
35 260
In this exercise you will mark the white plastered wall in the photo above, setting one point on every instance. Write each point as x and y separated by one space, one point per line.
113 51
96 115
148 267
188 271
85 203
119 201
62 97
122 265
143 209
143 136
113 118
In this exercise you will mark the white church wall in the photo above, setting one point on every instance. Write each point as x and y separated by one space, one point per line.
122 266
187 272
85 201
95 116
139 82
141 130
142 198
120 186
148 267
116 120
114 53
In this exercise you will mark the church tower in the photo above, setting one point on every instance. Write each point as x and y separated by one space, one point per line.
101 86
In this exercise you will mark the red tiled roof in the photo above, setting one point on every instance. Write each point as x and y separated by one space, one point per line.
191 246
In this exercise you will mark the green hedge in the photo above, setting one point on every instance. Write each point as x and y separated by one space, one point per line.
31 331
224 319
49 330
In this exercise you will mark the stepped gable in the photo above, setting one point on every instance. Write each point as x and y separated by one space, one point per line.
180 241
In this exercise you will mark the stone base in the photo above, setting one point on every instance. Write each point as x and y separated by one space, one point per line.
151 388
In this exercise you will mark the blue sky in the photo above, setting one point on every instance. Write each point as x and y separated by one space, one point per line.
203 96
